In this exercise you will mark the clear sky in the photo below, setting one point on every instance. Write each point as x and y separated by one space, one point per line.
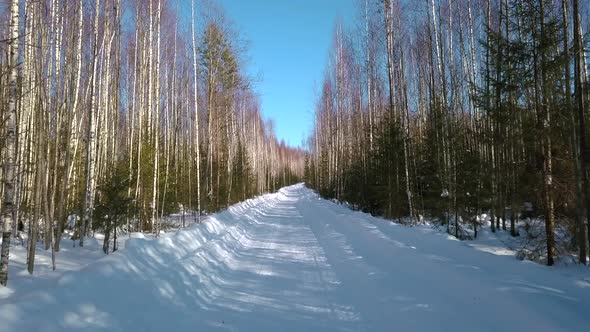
289 42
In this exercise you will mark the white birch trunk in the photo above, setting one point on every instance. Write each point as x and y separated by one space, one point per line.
91 133
10 144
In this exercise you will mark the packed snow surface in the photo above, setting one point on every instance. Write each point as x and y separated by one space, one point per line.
291 261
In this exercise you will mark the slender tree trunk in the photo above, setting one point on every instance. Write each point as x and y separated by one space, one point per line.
91 133
196 97
544 118
39 179
155 222
584 158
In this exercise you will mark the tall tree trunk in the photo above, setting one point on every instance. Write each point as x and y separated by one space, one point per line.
584 159
157 98
91 133
580 211
196 97
489 104
10 143
544 118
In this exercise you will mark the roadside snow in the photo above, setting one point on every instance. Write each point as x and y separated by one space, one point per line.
529 244
70 258
291 261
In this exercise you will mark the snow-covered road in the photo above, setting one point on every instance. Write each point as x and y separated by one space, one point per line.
291 261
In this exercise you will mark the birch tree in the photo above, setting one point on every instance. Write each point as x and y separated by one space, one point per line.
10 144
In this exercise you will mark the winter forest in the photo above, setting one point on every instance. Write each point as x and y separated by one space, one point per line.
451 109
138 125
121 127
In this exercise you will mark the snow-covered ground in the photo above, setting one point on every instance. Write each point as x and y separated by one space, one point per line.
529 242
291 261
71 257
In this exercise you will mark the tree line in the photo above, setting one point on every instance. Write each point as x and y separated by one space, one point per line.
452 109
115 113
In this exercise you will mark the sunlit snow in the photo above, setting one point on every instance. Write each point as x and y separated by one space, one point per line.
293 262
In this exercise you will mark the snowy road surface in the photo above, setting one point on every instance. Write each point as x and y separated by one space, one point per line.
293 262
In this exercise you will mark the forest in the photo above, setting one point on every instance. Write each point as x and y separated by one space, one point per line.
116 113
416 164
450 110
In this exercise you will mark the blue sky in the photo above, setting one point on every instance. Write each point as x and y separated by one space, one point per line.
289 43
